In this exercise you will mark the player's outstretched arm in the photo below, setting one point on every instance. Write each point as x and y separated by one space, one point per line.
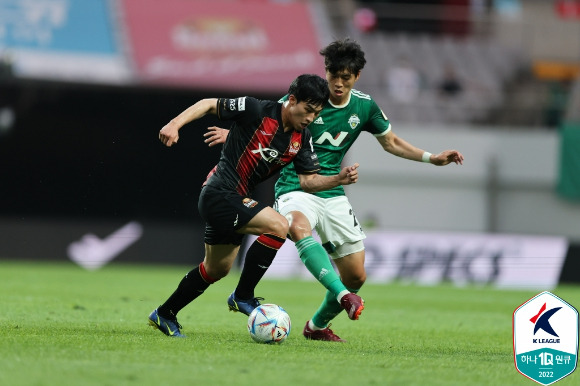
317 183
215 136
446 157
401 148
169 134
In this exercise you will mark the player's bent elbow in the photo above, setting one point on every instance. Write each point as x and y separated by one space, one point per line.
307 187
314 185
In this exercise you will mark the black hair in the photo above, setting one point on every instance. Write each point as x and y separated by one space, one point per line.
345 54
310 88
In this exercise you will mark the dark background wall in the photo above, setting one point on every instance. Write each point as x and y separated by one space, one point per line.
95 152
87 160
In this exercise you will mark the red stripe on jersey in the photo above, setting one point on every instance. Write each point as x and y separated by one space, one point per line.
211 172
293 147
251 156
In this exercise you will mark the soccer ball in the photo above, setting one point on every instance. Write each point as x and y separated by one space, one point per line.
269 323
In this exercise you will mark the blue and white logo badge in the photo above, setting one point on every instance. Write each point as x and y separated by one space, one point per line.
545 332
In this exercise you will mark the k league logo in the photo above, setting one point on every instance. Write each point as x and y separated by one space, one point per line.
545 334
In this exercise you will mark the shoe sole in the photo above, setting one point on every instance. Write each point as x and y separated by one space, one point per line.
154 325
358 312
324 340
235 309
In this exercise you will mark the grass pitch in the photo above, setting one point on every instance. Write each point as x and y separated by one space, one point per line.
61 325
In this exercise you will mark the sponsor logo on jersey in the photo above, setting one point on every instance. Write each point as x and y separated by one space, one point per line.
238 104
250 203
267 154
294 147
353 121
334 141
318 121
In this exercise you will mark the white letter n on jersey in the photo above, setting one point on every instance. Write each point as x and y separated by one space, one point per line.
336 141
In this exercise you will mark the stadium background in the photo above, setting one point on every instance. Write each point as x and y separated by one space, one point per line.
86 86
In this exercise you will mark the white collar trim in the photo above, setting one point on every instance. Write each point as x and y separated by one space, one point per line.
342 105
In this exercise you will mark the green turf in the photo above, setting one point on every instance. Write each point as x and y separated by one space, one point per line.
61 325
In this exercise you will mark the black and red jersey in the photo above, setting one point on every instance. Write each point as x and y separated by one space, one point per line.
257 146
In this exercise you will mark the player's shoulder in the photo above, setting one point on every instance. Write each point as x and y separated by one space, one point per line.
261 105
253 100
305 134
363 102
359 95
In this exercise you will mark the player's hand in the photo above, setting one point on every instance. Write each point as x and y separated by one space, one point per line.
169 134
349 174
447 157
215 135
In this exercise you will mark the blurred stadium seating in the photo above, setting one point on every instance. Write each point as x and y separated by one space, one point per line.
483 69
495 52
505 54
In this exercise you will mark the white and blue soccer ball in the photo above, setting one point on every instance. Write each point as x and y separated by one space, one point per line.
269 323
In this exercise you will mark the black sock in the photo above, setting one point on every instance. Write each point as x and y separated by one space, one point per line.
190 287
258 259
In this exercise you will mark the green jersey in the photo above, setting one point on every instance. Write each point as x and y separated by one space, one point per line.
333 133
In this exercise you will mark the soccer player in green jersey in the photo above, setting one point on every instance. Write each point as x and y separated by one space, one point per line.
347 113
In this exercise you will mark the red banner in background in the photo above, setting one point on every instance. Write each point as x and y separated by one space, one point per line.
568 9
222 45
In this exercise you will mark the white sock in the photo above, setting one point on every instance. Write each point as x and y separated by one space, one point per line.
341 294
313 326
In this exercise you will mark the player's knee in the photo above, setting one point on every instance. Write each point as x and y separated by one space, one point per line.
299 228
279 226
299 231
215 274
215 271
221 272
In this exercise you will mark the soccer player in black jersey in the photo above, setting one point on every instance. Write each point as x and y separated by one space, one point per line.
265 137
347 114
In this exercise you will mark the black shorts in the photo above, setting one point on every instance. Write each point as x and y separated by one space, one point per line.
224 212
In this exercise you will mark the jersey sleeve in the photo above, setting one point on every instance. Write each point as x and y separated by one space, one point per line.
378 124
306 161
236 109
